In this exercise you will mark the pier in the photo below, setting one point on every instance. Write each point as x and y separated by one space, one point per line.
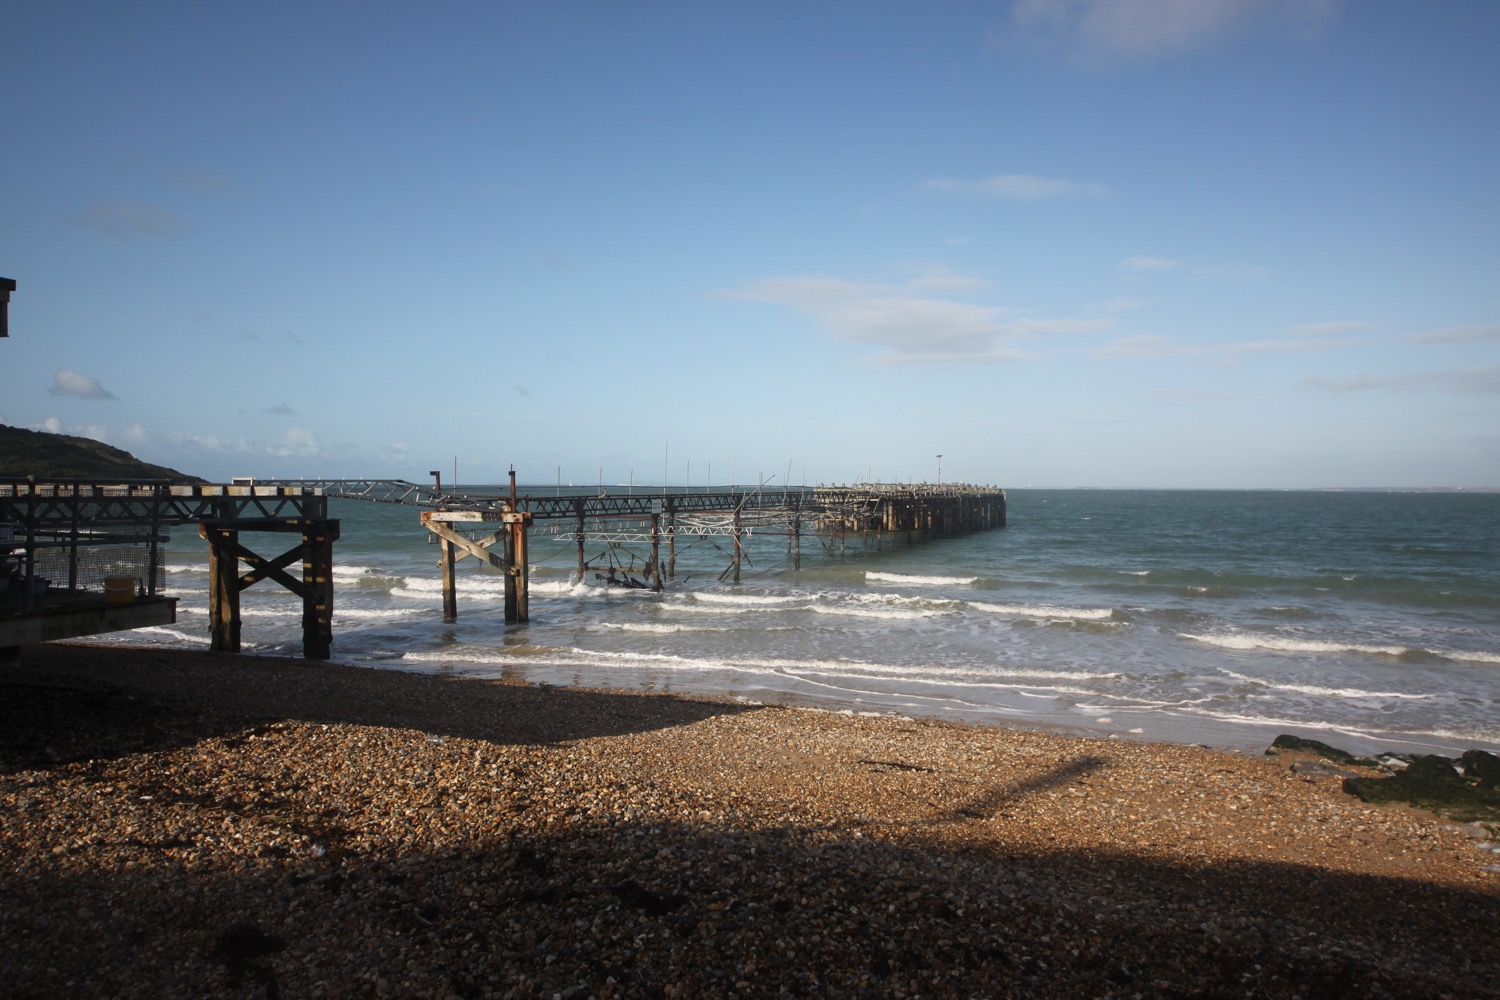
468 524
79 558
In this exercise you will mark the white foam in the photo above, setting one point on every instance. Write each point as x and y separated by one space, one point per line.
464 585
748 600
1043 611
376 612
659 629
921 581
879 597
1280 644
1326 692
893 614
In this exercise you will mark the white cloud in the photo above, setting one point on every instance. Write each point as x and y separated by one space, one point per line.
1284 346
1148 264
1156 346
70 383
1467 381
910 327
127 219
940 281
196 442
1144 346
1015 187
1461 335
1107 31
298 442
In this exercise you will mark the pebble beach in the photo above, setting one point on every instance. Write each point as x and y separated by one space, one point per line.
182 824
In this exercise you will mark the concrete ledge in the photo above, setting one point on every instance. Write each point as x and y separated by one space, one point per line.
77 618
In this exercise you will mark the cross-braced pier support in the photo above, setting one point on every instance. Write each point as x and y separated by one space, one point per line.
455 545
225 582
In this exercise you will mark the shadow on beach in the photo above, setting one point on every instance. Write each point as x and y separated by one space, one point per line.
78 702
580 886
664 910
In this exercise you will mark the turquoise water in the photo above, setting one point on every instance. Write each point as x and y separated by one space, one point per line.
1371 620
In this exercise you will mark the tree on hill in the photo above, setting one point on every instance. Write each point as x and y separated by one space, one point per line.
62 456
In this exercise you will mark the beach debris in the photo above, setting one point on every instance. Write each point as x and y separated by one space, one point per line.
896 765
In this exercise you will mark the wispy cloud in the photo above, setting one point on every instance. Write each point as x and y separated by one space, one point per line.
195 443
1141 347
296 442
132 437
1149 264
280 410
1284 346
1113 31
1152 346
1466 381
130 219
907 323
1461 335
70 383
1016 187
1331 329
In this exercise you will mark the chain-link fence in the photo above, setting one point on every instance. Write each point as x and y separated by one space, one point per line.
88 567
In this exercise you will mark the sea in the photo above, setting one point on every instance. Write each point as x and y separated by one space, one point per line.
1366 619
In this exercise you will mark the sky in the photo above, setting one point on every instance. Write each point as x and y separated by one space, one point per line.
1058 243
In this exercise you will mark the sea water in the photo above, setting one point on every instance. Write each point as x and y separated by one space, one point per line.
1368 619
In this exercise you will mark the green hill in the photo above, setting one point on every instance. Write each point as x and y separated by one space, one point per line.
62 456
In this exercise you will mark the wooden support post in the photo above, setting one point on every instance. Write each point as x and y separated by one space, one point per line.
737 551
223 588
317 577
520 569
671 540
583 566
450 585
655 566
512 597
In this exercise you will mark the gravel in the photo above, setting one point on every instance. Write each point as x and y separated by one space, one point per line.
196 825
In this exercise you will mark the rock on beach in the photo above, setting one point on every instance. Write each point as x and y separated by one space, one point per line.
193 825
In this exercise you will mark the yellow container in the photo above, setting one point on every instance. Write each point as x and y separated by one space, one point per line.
119 589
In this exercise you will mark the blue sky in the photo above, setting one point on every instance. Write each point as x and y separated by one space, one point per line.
1163 243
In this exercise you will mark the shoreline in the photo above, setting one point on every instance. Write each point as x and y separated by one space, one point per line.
184 824
1136 725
